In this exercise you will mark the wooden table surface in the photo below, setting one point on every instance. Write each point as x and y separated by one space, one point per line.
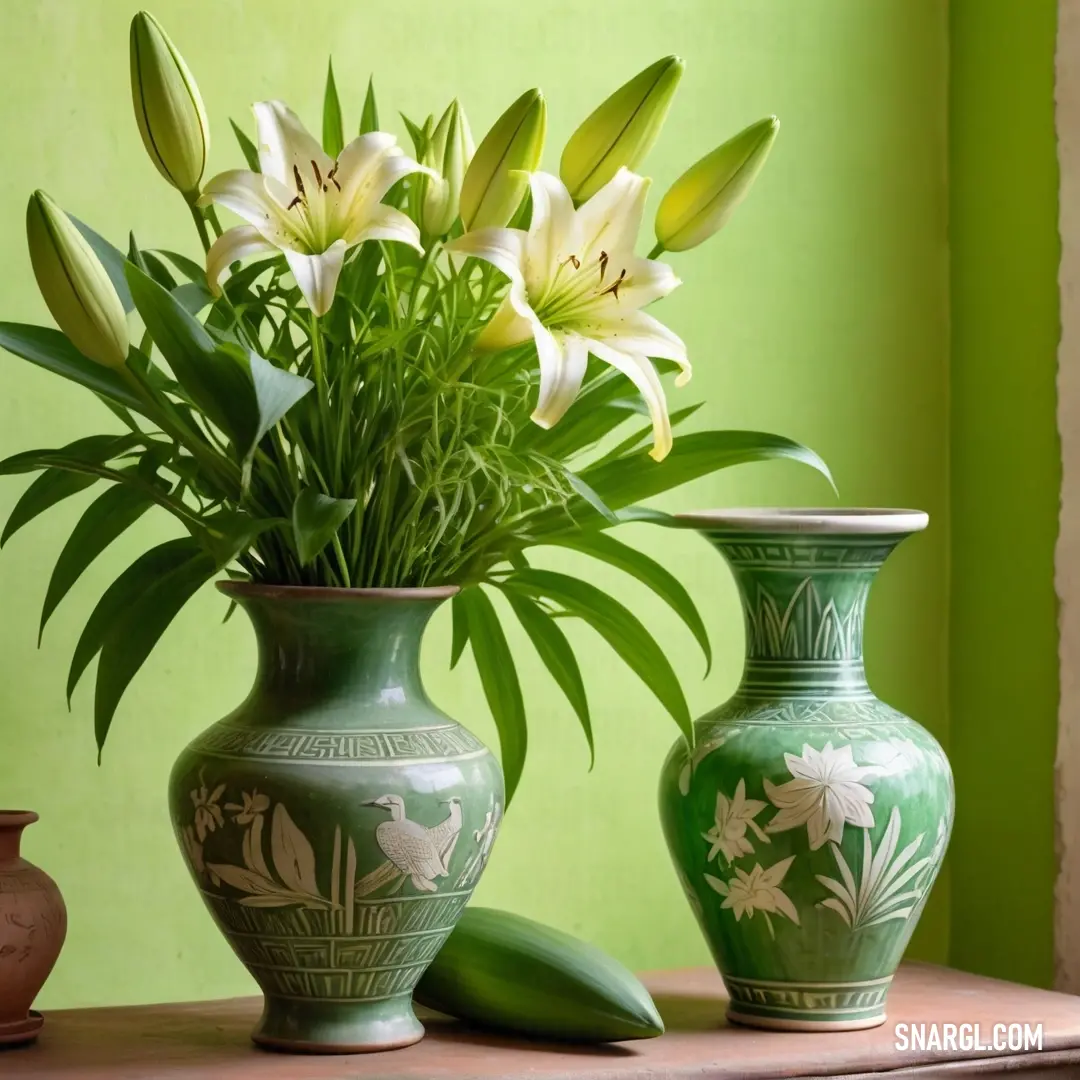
209 1041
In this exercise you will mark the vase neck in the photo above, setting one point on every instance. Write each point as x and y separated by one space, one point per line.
804 602
361 646
12 823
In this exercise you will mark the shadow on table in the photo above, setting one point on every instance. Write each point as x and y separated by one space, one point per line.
465 1034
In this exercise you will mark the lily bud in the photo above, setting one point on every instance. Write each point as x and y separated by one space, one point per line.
621 131
496 181
705 196
449 152
74 284
168 106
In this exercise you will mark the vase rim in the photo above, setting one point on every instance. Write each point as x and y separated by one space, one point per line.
848 521
17 819
241 589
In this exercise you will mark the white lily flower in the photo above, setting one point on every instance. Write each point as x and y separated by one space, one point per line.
576 287
307 205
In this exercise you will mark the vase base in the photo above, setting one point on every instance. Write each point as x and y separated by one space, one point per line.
778 1023
337 1027
21 1032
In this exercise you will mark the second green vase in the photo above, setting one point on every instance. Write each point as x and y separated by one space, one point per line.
809 822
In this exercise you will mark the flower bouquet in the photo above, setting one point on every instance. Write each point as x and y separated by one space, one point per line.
392 377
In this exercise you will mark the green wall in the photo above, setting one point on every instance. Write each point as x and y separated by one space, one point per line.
821 312
1005 478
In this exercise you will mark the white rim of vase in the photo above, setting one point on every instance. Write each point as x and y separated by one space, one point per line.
809 519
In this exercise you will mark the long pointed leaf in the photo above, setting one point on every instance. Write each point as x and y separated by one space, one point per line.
649 572
247 148
621 629
459 637
109 515
136 579
558 657
333 130
498 676
51 487
637 477
220 389
93 450
51 350
369 117
132 637
192 270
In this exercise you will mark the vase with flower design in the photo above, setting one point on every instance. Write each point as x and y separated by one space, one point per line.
337 822
810 819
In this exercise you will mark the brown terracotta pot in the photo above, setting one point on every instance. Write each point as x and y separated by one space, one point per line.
33 923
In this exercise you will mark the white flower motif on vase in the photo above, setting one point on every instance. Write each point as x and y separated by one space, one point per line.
733 817
825 793
758 890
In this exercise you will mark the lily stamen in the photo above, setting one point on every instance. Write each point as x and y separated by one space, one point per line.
318 178
614 287
603 265
299 180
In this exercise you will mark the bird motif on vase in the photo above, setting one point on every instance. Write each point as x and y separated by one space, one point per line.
419 853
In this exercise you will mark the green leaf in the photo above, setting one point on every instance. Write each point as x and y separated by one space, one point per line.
159 271
193 298
369 117
600 408
649 572
94 450
226 533
121 594
109 515
460 630
419 135
590 496
276 392
333 130
644 435
220 390
553 648
52 350
637 476
192 270
618 626
316 519
131 638
112 258
247 148
51 487
498 676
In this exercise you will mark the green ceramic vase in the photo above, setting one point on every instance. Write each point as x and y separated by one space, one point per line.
337 822
811 819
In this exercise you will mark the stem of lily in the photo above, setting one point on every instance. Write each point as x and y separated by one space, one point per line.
343 564
199 219
657 251
318 357
211 216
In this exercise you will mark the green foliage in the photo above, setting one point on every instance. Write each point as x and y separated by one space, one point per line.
372 445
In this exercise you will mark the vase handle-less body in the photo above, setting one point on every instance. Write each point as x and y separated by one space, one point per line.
337 822
811 819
